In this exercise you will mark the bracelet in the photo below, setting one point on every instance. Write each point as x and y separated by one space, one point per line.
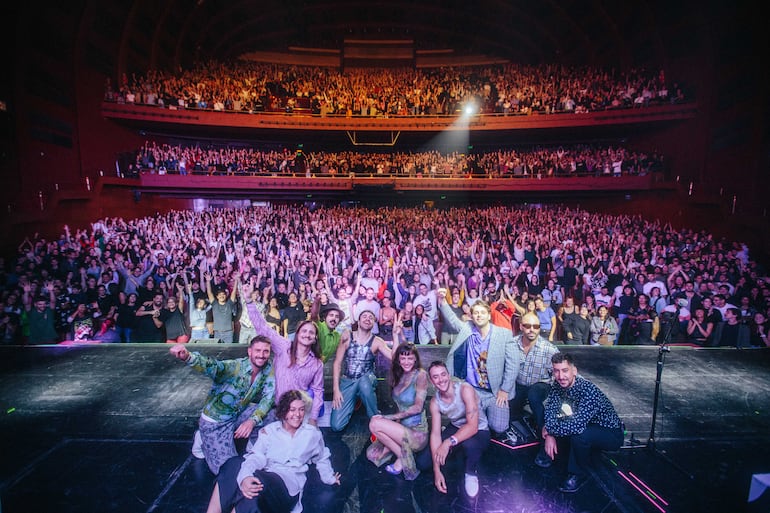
453 441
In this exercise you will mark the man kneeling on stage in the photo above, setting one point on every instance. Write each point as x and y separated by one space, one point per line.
578 411
241 395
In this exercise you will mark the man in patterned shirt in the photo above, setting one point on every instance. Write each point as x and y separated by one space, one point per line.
534 378
578 411
240 398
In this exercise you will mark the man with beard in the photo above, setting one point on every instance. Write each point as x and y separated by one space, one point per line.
534 379
577 411
241 395
486 357
353 371
329 317
146 330
41 316
172 318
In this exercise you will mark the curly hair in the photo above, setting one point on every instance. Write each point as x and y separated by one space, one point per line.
284 403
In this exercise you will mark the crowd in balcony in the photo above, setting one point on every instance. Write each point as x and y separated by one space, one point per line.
510 89
535 161
590 278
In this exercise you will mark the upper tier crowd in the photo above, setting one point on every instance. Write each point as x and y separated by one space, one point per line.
591 278
245 86
540 161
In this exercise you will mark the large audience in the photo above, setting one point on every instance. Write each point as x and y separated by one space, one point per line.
246 86
536 161
657 283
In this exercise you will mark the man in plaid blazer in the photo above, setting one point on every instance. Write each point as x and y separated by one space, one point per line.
486 357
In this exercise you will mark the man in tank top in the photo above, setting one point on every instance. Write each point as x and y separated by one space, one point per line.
353 371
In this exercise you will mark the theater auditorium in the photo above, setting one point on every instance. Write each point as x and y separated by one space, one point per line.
369 257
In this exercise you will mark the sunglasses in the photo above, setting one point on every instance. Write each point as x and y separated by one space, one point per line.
531 326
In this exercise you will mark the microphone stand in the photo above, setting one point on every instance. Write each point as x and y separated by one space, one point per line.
651 444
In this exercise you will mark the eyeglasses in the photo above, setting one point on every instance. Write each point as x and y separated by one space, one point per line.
530 326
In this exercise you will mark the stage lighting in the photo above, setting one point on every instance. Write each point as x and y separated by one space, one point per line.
470 109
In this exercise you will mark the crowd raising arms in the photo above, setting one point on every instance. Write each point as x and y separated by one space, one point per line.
504 89
330 253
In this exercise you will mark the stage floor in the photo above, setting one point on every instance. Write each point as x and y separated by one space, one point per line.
108 428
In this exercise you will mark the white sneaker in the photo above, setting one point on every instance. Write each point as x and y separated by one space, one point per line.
197 448
471 485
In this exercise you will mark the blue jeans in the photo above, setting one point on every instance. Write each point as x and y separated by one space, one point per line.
224 337
199 334
125 334
363 387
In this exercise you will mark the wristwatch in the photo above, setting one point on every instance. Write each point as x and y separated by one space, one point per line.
453 441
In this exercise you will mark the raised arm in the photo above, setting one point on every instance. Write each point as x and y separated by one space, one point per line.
380 346
446 311
180 296
261 327
209 292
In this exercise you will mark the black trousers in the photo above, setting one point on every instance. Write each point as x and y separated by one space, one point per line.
273 498
592 438
471 448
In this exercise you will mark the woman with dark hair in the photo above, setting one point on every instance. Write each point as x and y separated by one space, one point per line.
404 432
641 321
700 328
147 291
424 330
566 312
387 319
760 328
271 476
125 319
590 303
604 329
577 327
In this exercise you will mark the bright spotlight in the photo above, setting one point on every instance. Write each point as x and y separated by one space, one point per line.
470 109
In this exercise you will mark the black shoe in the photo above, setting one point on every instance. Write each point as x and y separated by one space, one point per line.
542 460
572 484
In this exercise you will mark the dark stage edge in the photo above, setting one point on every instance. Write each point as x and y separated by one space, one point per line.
107 428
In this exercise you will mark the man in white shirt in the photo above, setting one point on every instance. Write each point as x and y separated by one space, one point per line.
427 298
369 303
654 281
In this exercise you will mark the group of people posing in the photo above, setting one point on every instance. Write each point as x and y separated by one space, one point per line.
488 376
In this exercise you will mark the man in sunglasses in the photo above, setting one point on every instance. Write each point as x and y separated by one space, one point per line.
535 376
